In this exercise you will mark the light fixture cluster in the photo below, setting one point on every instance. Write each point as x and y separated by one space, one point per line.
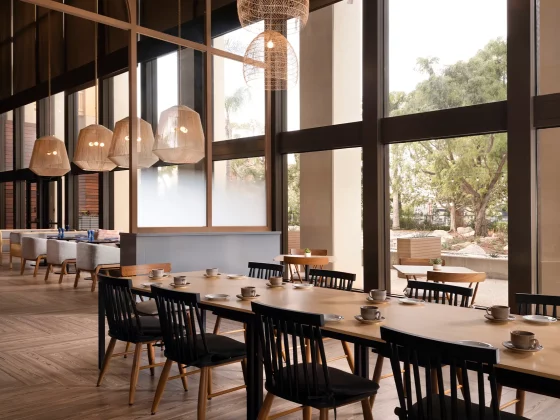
270 56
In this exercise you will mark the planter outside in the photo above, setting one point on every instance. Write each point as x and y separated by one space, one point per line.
308 254
427 247
436 267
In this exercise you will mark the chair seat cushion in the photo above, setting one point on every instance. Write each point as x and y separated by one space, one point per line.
462 414
148 307
345 388
151 331
220 349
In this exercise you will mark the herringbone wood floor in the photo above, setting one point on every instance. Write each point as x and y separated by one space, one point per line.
48 364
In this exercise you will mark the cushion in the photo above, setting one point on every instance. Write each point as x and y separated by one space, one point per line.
345 387
148 307
462 415
220 349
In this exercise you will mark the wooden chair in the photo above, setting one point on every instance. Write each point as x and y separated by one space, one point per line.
420 352
529 304
187 344
127 325
300 251
440 293
471 278
341 281
311 262
302 379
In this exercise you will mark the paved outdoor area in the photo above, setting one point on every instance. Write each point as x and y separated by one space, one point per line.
491 292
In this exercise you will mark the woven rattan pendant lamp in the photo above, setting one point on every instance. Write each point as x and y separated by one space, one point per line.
94 141
180 137
119 151
49 157
275 14
272 59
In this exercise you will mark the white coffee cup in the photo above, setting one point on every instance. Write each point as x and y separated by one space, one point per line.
378 294
248 291
157 272
180 280
211 272
370 312
276 281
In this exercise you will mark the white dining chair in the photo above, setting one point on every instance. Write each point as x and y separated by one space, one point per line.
92 258
60 254
32 249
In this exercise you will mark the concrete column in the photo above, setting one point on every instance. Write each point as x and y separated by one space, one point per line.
548 152
330 93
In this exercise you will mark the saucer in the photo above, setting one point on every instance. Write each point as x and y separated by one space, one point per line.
247 297
179 286
499 321
411 301
378 302
158 278
274 286
508 345
539 319
235 276
211 277
218 296
332 317
475 343
304 286
369 321
148 285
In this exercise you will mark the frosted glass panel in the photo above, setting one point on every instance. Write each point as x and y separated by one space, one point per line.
239 192
172 196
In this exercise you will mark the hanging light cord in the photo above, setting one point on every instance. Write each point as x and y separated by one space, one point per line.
179 53
95 65
49 70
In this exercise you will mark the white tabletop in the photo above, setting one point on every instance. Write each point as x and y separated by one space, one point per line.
422 270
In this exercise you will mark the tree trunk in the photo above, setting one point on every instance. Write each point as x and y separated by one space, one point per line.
396 211
480 225
452 218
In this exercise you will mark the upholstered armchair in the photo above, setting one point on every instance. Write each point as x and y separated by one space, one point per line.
92 258
60 254
32 249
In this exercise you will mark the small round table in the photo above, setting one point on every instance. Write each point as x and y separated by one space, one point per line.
305 261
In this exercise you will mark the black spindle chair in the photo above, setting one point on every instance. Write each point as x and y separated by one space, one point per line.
187 344
440 293
265 270
335 280
301 377
126 324
421 352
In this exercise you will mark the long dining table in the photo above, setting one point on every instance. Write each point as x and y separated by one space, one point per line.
538 372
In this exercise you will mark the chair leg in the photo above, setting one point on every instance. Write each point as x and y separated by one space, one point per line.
499 389
349 355
474 294
209 382
267 405
306 413
77 278
368 415
161 384
217 325
62 271
324 414
126 349
244 370
48 272
11 265
134 373
151 357
376 376
520 405
37 262
202 394
106 360
182 371
94 280
23 261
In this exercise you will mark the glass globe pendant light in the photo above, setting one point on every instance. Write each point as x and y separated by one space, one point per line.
180 137
49 157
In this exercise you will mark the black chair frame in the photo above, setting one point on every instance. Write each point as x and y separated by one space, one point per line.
440 293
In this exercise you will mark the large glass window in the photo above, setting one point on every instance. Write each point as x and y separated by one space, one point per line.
29 132
239 109
548 13
439 60
548 203
7 138
449 200
329 51
325 206
239 192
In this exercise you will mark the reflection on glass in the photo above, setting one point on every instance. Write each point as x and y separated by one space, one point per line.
8 210
172 196
548 59
239 110
454 190
548 204
436 59
239 192
7 137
